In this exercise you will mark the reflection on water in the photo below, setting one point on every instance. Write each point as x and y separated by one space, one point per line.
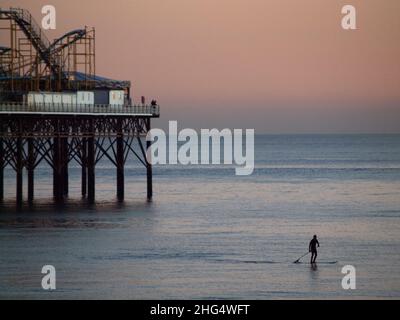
72 213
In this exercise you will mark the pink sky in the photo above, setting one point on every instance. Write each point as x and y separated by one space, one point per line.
272 65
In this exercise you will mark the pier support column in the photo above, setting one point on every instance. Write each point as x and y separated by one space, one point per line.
91 164
19 167
64 163
30 167
56 164
149 168
84 166
58 178
55 161
1 168
120 163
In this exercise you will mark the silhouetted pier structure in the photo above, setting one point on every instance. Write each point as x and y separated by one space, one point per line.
55 109
57 137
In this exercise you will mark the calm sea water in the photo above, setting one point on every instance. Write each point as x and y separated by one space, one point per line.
210 234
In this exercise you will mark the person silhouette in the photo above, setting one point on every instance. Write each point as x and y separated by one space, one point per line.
313 248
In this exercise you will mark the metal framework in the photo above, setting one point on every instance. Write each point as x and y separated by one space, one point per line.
77 51
30 62
28 140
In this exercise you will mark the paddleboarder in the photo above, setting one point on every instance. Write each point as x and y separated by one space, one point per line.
313 248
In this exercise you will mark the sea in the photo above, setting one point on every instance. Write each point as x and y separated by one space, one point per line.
210 234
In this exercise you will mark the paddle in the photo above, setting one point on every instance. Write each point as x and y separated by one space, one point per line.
298 260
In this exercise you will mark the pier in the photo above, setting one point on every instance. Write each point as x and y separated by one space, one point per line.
55 109
28 138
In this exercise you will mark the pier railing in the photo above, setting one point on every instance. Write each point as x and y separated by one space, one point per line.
95 109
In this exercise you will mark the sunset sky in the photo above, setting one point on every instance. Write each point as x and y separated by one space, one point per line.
273 65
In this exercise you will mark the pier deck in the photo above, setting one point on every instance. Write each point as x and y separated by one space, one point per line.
79 110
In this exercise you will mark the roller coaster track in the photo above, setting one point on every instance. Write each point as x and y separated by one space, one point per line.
35 35
72 36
